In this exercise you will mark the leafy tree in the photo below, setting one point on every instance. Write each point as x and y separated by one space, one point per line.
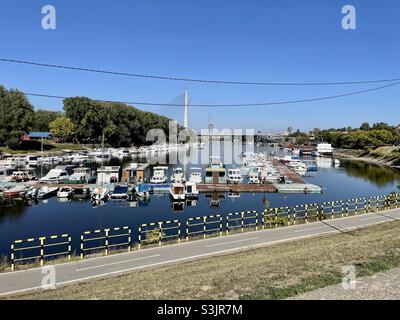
62 128
43 118
365 126
16 117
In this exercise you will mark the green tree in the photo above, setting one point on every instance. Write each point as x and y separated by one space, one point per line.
62 128
16 117
43 118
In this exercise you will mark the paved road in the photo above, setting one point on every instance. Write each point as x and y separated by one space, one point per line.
21 281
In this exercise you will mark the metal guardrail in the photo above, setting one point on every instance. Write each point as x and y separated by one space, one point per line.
157 232
242 220
200 226
36 249
105 239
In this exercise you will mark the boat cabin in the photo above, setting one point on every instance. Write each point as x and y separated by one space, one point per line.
108 174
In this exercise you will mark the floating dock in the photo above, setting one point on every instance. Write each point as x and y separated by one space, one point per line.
289 174
224 187
297 188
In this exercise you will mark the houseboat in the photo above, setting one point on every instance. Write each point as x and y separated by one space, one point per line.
81 176
215 172
323 149
159 175
234 176
108 175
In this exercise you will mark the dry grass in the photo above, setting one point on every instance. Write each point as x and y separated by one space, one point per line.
272 272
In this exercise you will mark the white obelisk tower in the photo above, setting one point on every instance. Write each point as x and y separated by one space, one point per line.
185 121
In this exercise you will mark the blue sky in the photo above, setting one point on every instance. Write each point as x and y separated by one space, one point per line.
278 41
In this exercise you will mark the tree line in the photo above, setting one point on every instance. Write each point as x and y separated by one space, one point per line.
365 137
82 121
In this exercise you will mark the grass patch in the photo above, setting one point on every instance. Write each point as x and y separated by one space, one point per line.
34 147
274 272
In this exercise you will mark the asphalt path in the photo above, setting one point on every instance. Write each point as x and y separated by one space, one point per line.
108 266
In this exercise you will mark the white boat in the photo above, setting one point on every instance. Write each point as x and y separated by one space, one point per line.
123 153
82 175
47 192
191 190
56 175
159 175
234 176
15 192
32 160
32 193
254 178
323 149
100 194
178 175
21 176
177 192
195 175
65 192
336 162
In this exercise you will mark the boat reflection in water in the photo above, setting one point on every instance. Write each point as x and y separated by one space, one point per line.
215 199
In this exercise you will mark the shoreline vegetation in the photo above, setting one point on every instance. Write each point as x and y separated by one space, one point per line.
388 156
273 272
82 121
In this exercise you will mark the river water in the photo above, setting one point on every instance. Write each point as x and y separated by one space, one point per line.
51 217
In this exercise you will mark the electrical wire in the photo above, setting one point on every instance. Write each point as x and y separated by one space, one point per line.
206 81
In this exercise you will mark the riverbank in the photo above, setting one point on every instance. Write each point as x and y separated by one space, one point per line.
386 156
275 272
48 149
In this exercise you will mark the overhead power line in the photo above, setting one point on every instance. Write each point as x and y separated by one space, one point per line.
207 81
273 103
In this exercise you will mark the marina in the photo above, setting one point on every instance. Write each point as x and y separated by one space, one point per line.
121 191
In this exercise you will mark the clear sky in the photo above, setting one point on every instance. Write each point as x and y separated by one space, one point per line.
263 40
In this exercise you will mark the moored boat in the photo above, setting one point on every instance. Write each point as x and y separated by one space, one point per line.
47 192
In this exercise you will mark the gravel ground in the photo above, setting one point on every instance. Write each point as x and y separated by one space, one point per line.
381 286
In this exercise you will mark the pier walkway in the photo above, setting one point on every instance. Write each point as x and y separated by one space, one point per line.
113 265
294 177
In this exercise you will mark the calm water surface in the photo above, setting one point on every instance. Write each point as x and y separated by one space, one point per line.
351 179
